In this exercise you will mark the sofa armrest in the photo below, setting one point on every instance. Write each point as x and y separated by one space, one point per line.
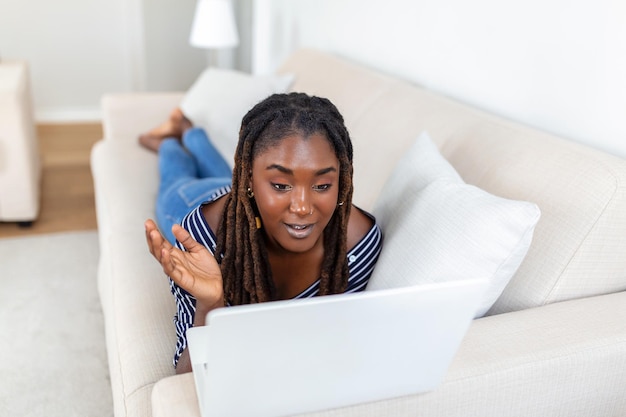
565 358
126 115
175 396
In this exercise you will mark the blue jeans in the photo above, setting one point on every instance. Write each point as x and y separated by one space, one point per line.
189 173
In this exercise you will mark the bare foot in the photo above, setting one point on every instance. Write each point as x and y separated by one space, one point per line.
171 128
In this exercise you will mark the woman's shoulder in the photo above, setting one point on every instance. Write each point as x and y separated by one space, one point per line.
212 210
359 225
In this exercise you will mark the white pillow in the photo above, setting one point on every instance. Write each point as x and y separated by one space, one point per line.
438 228
219 99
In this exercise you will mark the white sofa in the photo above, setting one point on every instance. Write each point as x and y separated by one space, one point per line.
20 165
554 342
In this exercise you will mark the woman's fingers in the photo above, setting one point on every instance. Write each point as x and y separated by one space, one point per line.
150 227
174 265
167 263
193 269
184 268
155 240
185 239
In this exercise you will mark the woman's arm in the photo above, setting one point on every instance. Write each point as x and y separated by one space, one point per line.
194 270
184 361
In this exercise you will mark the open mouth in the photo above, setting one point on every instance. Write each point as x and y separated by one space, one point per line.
299 231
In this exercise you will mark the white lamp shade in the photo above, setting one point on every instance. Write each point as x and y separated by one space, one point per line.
214 25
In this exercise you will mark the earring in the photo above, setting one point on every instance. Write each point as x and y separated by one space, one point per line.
340 203
250 193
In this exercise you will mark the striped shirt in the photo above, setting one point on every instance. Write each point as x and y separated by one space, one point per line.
361 261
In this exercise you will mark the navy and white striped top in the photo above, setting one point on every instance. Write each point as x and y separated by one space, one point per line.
361 261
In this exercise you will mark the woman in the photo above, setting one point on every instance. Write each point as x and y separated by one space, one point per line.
286 229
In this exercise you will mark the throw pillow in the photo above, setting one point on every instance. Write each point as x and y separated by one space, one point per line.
438 228
219 99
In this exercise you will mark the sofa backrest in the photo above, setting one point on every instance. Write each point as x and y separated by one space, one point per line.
579 247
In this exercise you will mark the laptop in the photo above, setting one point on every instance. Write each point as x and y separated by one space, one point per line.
288 357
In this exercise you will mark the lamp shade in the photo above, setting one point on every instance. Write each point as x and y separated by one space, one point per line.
214 25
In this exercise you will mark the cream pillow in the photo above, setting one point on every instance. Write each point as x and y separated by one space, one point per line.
437 228
219 99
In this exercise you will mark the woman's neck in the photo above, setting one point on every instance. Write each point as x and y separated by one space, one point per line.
293 273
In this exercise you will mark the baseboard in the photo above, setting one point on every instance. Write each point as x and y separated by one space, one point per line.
68 115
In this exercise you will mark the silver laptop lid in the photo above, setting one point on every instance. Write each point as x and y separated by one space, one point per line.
289 357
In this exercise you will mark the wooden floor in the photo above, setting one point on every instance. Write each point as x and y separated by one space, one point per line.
67 197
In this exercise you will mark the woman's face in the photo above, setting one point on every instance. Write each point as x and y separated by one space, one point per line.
296 186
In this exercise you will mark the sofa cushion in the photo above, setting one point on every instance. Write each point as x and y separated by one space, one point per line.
438 228
579 242
219 99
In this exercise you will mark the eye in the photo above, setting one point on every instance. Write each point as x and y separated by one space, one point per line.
322 187
281 187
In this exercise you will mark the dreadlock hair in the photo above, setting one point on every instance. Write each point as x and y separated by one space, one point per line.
241 249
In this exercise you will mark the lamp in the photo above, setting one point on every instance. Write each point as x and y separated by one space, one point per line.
214 25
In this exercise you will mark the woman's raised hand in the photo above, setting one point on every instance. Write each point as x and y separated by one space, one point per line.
155 240
195 270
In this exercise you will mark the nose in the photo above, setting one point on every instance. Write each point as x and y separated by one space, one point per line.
301 202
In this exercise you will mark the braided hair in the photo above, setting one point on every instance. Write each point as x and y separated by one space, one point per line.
243 257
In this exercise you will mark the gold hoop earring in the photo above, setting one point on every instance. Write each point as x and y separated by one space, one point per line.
250 193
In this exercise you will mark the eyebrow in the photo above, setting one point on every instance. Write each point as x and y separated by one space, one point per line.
288 171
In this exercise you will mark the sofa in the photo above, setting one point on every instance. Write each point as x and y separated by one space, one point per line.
554 342
20 165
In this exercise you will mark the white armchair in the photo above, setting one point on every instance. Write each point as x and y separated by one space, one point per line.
20 168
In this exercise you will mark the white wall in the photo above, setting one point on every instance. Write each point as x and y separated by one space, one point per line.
554 64
64 42
171 63
78 50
